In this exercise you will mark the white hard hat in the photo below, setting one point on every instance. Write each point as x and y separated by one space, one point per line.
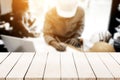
66 8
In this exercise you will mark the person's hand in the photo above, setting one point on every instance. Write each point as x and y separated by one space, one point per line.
58 46
74 42
104 36
33 34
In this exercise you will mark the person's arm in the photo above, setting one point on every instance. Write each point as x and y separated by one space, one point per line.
48 31
50 37
32 21
80 28
76 40
24 28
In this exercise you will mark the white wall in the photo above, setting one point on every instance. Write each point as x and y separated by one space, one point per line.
6 6
97 17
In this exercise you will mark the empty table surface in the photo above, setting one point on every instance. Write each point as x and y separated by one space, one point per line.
53 65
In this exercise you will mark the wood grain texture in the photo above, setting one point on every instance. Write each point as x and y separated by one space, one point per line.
100 70
52 71
36 70
8 64
68 69
3 56
20 69
111 64
83 68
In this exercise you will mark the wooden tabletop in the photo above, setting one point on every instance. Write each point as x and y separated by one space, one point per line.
59 66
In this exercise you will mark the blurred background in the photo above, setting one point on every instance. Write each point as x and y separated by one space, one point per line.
97 13
96 17
100 15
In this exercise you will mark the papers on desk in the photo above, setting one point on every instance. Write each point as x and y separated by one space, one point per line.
14 44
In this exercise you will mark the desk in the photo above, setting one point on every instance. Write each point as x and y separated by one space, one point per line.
49 65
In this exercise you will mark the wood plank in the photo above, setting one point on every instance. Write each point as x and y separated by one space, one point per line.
100 70
8 64
52 71
20 69
116 56
3 56
68 70
37 67
111 64
83 68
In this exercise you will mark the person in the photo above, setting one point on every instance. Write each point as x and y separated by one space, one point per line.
23 25
115 17
64 23
115 40
3 30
